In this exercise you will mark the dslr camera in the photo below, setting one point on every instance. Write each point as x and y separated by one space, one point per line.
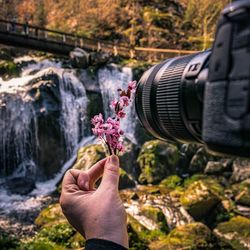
205 97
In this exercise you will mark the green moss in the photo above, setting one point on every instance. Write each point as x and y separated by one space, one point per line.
235 232
194 236
52 214
87 156
201 196
157 160
194 178
172 182
8 68
242 193
156 215
59 233
41 244
8 242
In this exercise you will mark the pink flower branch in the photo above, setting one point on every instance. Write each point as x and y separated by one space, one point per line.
109 131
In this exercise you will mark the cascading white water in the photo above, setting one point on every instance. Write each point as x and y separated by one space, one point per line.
18 122
110 80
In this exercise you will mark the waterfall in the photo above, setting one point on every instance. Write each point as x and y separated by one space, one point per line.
19 114
110 79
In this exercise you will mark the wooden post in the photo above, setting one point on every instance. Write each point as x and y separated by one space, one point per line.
115 51
99 47
81 42
132 53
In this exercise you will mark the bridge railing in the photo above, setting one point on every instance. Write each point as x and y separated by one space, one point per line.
48 35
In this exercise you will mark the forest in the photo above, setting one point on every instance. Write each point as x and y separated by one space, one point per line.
177 24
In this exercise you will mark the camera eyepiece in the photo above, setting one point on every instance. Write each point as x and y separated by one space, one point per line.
169 98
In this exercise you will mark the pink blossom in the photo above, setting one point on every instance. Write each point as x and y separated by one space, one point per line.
97 119
132 86
109 131
113 104
121 114
124 101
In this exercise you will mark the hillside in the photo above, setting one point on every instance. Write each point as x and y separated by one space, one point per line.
168 24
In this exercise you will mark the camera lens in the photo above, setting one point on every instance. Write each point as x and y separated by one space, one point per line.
169 98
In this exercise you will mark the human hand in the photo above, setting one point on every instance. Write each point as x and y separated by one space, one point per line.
95 213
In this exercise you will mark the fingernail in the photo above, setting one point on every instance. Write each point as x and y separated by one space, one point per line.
86 185
114 159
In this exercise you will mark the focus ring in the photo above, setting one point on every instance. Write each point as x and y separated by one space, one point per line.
168 99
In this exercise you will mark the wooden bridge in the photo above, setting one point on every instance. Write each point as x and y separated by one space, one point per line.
56 42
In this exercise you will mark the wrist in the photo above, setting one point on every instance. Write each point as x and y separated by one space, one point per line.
120 238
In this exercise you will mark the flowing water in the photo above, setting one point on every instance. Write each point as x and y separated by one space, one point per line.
112 79
19 140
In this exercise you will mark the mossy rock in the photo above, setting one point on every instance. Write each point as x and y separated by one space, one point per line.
8 68
59 233
157 160
189 236
201 197
200 160
8 242
196 177
155 214
172 182
125 180
50 215
41 244
242 193
87 156
235 233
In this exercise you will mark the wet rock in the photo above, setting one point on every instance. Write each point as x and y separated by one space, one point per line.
87 156
172 182
128 159
241 170
187 151
157 160
125 181
242 193
235 233
141 134
51 215
199 160
20 185
189 236
218 167
80 58
8 69
201 197
156 215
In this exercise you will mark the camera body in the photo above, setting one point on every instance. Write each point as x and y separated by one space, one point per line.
205 97
226 111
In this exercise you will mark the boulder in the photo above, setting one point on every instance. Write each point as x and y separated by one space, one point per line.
172 182
201 197
80 58
87 156
189 236
199 161
125 180
242 193
128 159
218 167
50 215
235 233
155 214
157 160
241 170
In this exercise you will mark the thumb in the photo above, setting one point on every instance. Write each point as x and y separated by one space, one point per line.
111 173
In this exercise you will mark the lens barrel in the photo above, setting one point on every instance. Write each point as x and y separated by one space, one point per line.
169 98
